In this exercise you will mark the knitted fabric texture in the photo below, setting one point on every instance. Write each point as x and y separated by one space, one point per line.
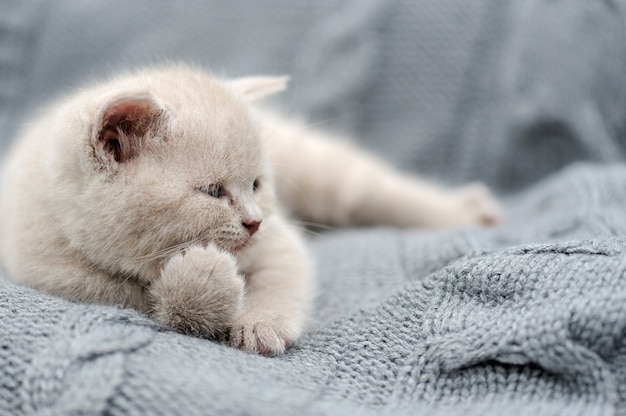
526 318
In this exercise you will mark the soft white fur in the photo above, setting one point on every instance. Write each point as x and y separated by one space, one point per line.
87 221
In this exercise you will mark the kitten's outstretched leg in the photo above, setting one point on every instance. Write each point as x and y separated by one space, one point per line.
198 292
278 292
326 180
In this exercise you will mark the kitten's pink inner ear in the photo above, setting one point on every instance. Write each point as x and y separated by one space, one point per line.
257 88
123 126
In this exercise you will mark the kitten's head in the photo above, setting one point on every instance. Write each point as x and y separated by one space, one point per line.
158 161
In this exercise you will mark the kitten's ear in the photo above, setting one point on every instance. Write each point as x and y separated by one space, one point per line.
121 126
257 88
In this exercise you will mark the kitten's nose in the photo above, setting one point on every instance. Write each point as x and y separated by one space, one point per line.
252 226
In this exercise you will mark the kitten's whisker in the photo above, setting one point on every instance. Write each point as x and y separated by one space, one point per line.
314 224
320 122
296 188
168 251
309 232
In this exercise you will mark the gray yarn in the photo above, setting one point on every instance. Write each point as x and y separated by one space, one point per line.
528 318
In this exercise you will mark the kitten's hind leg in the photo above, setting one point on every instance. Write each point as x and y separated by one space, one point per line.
407 201
326 180
198 293
477 205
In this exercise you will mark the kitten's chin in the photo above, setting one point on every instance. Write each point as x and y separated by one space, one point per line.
235 249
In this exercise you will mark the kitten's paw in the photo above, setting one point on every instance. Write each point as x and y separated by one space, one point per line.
199 293
264 334
476 206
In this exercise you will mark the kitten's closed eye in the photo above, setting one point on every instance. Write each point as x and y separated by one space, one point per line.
214 190
256 184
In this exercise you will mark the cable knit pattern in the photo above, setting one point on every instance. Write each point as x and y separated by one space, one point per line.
527 318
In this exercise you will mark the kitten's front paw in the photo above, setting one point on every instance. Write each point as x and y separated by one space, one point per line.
199 293
474 205
264 334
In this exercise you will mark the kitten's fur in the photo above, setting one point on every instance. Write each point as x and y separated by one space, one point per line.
148 191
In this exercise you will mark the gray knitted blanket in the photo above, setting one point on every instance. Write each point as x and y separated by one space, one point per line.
526 318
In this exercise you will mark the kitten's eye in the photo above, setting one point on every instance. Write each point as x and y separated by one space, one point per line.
256 184
215 190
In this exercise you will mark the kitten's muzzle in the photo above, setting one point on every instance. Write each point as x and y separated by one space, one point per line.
251 226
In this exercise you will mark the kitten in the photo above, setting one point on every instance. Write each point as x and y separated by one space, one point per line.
158 191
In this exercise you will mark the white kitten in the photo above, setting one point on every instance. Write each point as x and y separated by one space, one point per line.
156 191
